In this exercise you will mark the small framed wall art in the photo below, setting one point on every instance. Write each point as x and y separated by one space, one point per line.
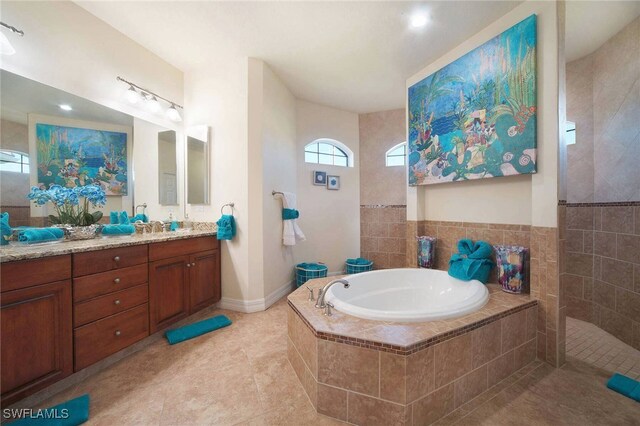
333 182
320 178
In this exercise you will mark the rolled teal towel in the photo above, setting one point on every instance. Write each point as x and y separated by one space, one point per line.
5 229
114 218
40 235
226 227
174 225
312 266
196 329
625 386
118 229
124 218
481 250
288 214
77 411
358 261
140 217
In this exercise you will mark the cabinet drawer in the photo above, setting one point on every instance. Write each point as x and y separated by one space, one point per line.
27 273
109 304
93 262
91 286
169 249
107 336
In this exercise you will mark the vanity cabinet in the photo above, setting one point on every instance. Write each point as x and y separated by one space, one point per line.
62 313
184 277
36 325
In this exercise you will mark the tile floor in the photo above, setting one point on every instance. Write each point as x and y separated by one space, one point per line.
596 347
241 375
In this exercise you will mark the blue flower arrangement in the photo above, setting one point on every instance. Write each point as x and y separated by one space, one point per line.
71 204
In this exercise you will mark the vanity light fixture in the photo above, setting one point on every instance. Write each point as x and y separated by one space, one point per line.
5 45
65 107
151 100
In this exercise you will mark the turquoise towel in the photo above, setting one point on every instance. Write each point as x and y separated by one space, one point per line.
288 214
358 261
40 235
312 266
114 218
472 262
77 412
124 218
226 227
118 229
5 229
196 329
625 386
140 217
174 225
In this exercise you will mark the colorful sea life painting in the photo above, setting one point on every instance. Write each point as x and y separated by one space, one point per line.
72 157
476 117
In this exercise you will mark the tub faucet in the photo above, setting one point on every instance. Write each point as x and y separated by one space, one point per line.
320 304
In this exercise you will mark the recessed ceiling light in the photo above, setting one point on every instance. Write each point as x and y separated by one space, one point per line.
65 107
419 20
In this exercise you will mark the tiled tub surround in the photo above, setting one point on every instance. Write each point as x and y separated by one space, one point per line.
601 277
543 268
383 235
372 372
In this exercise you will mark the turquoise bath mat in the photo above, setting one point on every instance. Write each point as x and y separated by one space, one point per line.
625 386
196 329
71 413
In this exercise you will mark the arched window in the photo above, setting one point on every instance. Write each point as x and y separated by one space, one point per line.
14 161
329 152
397 155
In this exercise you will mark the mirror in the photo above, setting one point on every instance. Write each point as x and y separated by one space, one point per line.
167 168
198 165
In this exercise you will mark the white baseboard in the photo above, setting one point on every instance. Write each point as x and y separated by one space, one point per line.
256 305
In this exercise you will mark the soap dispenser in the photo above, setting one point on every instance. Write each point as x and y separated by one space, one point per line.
187 224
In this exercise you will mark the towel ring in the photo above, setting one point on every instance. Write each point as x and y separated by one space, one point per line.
225 205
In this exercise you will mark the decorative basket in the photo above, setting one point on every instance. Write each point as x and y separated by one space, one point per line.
356 268
76 233
309 271
512 263
426 251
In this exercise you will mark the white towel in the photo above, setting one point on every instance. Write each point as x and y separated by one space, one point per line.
291 232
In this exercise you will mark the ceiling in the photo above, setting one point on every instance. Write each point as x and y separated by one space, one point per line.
354 56
591 23
22 96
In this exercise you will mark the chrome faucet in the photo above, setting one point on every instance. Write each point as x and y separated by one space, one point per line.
320 304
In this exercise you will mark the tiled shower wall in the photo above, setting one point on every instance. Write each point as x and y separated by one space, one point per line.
383 235
543 269
601 279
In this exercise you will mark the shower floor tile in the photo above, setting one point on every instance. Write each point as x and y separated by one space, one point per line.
591 344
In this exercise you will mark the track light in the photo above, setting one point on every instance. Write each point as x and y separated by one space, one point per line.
173 114
150 100
132 95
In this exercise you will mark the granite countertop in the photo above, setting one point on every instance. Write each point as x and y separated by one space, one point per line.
21 251
402 335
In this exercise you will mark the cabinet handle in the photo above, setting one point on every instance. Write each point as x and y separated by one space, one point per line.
117 302
117 281
188 265
117 333
193 264
117 258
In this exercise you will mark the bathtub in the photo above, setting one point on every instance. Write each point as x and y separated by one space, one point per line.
407 295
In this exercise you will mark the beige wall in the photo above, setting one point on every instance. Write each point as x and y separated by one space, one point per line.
603 98
380 131
526 199
329 219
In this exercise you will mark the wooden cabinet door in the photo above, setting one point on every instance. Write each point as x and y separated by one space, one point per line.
168 291
204 279
36 343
